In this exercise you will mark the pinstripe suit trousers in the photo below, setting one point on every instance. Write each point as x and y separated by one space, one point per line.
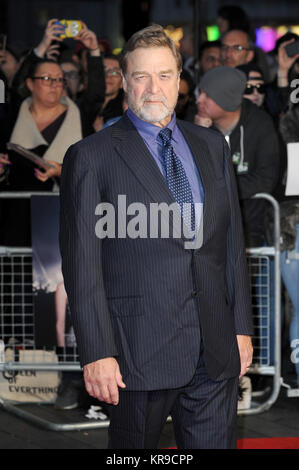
203 413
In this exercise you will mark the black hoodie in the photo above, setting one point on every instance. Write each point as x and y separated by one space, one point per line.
255 153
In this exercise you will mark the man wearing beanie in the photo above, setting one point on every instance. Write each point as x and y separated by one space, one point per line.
251 136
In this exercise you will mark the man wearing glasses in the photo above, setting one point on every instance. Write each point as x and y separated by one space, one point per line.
113 104
236 48
255 88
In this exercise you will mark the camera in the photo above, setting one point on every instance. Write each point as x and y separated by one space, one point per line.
292 48
71 28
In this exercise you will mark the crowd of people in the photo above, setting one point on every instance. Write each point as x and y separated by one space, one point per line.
57 95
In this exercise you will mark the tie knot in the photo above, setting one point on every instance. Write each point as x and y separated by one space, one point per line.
165 136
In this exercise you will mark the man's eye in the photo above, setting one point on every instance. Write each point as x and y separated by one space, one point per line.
164 76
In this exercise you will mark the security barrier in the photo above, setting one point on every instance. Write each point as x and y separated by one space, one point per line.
17 321
265 280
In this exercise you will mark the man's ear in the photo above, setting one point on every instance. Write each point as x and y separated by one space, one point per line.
179 79
250 56
125 85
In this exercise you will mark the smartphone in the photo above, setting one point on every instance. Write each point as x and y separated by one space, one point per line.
293 48
71 28
3 38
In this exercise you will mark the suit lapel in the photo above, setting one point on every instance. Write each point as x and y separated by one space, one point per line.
130 146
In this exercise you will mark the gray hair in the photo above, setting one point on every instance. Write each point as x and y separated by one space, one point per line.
151 36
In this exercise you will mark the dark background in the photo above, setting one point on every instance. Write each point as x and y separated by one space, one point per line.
24 21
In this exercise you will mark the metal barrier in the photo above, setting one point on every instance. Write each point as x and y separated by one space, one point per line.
265 279
17 319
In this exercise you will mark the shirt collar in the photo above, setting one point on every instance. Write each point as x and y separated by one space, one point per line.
150 131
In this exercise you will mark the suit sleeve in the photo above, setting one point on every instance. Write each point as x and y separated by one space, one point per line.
81 253
237 268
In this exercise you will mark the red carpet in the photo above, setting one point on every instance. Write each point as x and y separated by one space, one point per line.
269 443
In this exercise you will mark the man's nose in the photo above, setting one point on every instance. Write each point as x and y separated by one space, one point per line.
229 51
153 85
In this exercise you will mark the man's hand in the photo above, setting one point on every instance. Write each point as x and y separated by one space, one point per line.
203 121
246 351
102 379
98 123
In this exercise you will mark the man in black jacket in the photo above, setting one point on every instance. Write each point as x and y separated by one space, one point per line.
252 138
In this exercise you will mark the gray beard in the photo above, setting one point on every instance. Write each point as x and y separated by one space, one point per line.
147 114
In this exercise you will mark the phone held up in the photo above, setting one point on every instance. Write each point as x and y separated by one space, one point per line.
292 48
71 28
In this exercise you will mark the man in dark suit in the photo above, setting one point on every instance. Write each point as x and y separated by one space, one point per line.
162 322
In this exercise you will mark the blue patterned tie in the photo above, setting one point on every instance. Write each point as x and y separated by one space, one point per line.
176 178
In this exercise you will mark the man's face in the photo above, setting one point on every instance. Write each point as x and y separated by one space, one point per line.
207 108
112 77
183 95
222 24
72 76
234 49
255 85
187 45
152 83
210 59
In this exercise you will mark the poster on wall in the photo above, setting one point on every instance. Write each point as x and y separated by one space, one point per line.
52 318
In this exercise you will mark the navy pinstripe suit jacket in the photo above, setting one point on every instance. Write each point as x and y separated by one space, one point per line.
134 299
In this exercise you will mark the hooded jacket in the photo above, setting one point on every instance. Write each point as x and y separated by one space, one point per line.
256 156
